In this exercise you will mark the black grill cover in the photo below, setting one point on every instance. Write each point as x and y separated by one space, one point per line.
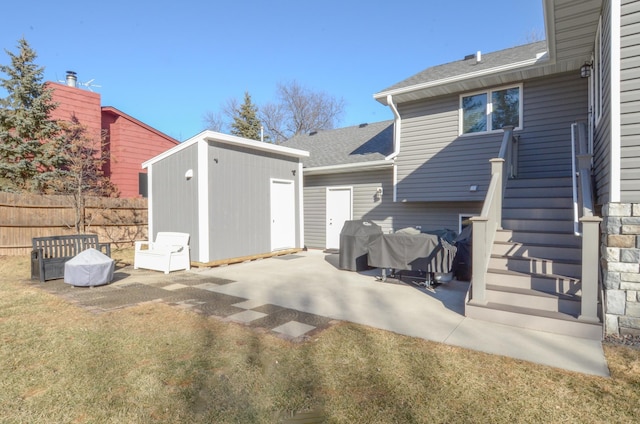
403 251
354 241
462 261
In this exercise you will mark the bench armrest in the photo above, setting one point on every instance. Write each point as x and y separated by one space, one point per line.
140 243
105 248
36 254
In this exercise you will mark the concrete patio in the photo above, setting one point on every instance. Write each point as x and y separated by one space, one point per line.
297 295
311 282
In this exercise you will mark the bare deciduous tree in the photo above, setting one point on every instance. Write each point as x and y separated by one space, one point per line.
221 121
299 110
534 35
214 121
81 174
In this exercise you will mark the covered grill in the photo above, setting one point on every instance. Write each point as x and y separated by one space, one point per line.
355 238
411 250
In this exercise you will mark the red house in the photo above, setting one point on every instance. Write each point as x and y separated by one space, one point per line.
130 141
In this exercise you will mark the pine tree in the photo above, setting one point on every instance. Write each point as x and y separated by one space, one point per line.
246 123
27 135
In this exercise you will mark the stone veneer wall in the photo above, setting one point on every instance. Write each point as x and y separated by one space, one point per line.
621 268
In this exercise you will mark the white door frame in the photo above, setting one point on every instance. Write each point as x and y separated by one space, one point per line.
330 229
284 226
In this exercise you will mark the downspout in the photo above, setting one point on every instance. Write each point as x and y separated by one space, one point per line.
397 123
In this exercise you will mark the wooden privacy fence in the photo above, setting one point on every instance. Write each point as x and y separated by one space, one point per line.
24 216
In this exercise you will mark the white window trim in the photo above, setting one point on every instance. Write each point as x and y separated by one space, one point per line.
462 217
490 109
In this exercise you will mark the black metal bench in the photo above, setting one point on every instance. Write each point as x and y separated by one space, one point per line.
49 254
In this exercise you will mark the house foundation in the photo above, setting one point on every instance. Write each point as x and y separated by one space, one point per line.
621 268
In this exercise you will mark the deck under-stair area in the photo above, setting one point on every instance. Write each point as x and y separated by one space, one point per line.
533 277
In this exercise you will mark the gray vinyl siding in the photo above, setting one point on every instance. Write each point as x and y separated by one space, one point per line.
551 105
436 164
602 132
630 102
384 212
175 198
239 199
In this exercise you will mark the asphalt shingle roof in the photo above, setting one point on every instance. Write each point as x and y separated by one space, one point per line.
462 67
360 143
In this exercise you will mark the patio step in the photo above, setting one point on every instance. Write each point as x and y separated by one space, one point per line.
534 265
532 250
548 283
534 319
528 298
533 277
536 202
537 237
538 225
539 182
564 192
565 214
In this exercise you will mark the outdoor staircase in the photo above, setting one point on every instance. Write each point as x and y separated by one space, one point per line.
533 278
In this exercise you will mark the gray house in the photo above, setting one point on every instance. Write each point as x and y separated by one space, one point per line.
541 144
237 198
349 174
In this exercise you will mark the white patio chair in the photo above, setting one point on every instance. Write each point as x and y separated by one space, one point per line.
170 252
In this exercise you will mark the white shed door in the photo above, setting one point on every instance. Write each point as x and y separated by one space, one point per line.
338 211
283 215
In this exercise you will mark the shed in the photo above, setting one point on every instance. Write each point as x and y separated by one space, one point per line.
236 197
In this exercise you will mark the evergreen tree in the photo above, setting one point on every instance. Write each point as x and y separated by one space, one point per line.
245 122
28 143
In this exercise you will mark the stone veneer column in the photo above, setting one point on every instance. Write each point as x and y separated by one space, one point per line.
621 268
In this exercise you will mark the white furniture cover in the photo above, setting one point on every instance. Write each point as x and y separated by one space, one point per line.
89 268
170 252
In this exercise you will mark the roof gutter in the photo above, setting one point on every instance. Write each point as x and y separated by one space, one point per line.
541 58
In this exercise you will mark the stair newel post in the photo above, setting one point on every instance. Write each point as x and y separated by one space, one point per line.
479 260
590 243
497 167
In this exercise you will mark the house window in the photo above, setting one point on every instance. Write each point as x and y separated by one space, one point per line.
143 185
464 220
491 110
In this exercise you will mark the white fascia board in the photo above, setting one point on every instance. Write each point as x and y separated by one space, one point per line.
300 206
349 167
203 202
540 60
150 203
253 144
209 136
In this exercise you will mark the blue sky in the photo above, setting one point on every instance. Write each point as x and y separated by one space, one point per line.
167 63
